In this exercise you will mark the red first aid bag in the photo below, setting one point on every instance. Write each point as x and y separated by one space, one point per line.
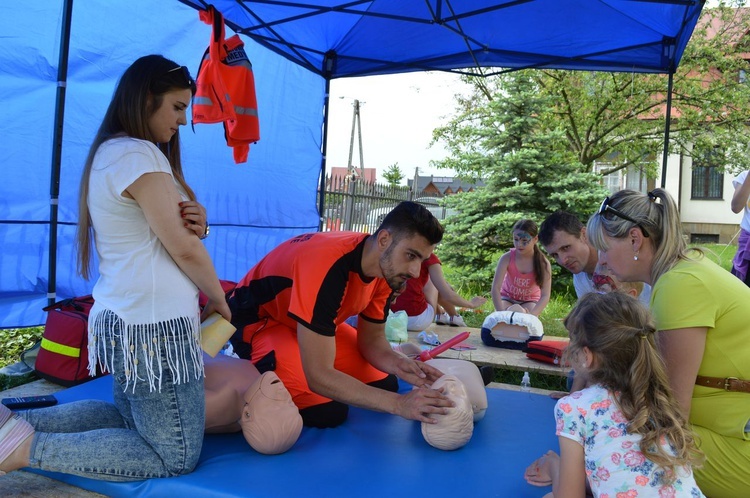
228 287
63 357
547 351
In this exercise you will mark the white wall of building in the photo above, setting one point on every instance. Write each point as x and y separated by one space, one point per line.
700 217
702 210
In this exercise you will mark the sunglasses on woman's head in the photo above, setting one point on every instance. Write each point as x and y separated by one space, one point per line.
185 74
606 208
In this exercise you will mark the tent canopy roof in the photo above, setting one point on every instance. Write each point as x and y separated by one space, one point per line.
354 38
256 207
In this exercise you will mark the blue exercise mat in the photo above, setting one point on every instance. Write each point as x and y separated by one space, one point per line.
371 455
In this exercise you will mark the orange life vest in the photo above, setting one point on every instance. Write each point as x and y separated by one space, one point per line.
226 88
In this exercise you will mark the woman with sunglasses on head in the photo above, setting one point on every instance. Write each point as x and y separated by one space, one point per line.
145 325
702 313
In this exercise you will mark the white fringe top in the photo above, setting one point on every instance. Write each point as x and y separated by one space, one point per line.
141 359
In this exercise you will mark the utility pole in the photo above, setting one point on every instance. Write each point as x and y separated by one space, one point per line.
352 176
413 192
356 127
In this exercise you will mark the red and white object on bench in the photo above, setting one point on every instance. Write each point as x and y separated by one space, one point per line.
432 353
547 351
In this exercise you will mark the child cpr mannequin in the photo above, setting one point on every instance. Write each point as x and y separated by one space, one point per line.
463 384
466 371
454 429
511 329
468 374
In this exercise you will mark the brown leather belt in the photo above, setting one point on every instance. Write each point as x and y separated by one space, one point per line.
725 383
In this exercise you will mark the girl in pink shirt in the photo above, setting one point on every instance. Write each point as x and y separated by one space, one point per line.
523 276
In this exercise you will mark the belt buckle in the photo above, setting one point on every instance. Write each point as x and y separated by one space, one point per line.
728 382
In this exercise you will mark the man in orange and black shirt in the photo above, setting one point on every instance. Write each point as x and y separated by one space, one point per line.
295 301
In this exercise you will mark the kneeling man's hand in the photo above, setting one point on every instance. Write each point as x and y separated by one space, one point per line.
422 402
416 373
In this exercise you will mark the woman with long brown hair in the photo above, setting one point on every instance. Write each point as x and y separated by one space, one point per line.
144 327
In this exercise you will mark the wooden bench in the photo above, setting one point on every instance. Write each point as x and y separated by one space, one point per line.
510 359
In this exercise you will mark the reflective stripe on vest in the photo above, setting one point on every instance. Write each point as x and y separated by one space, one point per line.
247 111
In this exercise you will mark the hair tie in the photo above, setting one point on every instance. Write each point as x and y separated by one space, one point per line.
645 331
652 196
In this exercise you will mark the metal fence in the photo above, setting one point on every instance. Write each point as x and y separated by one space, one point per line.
360 206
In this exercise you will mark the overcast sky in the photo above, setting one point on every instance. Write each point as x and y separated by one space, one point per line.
397 113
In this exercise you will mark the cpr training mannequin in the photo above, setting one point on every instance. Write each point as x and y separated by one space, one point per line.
466 371
239 398
454 428
511 328
461 383
469 375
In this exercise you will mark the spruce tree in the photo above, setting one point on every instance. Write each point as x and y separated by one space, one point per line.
528 173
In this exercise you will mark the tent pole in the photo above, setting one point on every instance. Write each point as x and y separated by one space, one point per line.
323 149
328 62
665 157
54 187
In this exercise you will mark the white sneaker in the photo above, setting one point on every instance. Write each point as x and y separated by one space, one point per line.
443 319
457 321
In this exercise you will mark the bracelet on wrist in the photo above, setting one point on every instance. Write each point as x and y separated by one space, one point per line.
205 232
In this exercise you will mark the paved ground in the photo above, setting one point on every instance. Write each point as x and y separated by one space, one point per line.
26 484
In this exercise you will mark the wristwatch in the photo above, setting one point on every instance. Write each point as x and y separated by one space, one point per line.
206 232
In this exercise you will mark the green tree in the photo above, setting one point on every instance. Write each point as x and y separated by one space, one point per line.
527 171
393 175
536 135
619 118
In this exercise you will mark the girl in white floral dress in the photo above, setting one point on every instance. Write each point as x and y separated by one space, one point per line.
623 436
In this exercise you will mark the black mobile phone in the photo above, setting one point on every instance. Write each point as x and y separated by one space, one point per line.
25 402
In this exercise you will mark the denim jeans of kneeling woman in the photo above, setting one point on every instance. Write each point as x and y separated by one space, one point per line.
147 433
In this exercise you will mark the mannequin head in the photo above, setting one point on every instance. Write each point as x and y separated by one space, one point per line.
454 429
470 377
270 421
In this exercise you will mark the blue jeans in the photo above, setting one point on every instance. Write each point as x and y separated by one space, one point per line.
144 434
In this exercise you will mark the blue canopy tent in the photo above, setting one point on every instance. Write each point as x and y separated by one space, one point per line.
71 54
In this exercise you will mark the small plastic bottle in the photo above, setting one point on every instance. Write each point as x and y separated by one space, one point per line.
526 382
